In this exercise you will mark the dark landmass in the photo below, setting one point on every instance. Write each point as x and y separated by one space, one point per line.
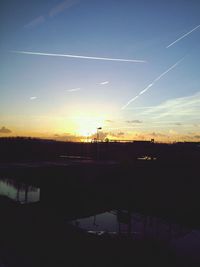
20 148
77 180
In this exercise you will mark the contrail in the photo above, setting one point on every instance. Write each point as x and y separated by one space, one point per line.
79 56
165 72
183 36
151 84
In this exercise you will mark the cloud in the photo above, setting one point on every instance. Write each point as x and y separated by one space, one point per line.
35 22
109 121
113 135
79 56
154 134
61 7
52 13
196 136
120 127
118 135
68 137
134 121
74 89
182 109
139 108
121 134
177 40
5 130
33 97
104 83
172 132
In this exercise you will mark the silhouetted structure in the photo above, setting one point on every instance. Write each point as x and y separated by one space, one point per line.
15 149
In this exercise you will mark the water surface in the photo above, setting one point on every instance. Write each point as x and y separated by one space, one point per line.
185 242
18 191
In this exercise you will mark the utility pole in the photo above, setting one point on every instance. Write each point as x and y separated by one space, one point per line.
99 128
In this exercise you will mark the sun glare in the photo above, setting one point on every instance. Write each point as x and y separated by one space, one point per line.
87 125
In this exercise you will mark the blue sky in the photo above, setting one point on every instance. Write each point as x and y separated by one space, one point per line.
39 95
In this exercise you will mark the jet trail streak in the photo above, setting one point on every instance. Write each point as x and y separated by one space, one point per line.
183 36
165 72
79 56
151 84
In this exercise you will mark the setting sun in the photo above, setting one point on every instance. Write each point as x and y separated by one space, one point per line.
86 125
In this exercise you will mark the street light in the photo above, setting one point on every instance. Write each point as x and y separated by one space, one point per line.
97 149
99 128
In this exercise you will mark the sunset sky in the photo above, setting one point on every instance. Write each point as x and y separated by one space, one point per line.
130 67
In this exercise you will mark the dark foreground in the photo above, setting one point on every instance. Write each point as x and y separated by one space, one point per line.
99 213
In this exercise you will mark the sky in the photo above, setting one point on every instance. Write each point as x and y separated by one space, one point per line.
129 67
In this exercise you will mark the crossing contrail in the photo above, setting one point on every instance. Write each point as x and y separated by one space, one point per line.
183 36
79 56
165 72
151 84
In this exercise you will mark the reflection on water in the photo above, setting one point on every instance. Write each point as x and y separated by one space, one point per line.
185 242
19 191
135 225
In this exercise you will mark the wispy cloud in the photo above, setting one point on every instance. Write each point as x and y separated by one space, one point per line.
5 130
33 97
109 121
177 40
79 56
74 90
134 121
56 10
61 7
120 127
35 22
178 109
139 108
157 134
151 84
104 83
118 135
